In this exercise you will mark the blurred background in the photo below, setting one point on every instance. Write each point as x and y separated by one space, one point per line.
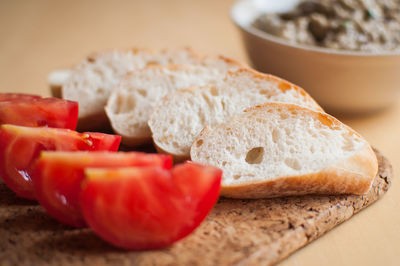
39 36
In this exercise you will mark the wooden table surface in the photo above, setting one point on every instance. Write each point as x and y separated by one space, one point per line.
39 36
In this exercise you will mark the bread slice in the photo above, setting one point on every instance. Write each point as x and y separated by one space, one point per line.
92 81
279 149
56 79
179 117
131 103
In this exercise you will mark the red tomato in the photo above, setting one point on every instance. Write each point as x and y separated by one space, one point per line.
20 147
58 177
34 111
4 97
148 207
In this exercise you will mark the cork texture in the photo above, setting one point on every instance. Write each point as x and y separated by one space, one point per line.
237 232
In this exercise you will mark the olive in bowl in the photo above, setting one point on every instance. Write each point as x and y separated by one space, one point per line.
345 65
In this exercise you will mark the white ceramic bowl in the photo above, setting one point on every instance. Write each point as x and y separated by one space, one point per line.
341 81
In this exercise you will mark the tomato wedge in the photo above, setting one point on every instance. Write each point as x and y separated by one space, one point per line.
21 146
34 111
148 207
58 177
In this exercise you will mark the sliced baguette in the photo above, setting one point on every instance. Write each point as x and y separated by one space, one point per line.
279 149
130 105
180 116
92 81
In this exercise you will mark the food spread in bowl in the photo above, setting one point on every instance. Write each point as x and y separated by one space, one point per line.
355 25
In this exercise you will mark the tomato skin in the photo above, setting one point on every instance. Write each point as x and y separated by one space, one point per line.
147 207
58 177
202 188
21 146
34 111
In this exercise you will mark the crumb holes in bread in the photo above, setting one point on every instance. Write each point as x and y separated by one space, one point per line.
202 118
125 104
284 116
164 139
214 91
289 142
151 63
91 60
275 135
207 99
142 92
224 163
223 104
284 86
100 90
98 71
199 143
264 92
293 163
236 177
228 148
255 155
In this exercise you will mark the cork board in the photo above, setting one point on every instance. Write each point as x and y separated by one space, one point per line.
237 232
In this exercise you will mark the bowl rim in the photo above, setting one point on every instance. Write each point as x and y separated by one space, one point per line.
272 38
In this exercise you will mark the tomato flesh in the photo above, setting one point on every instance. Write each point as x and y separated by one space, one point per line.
34 111
58 176
148 207
21 146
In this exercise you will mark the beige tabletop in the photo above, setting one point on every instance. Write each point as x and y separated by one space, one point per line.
39 36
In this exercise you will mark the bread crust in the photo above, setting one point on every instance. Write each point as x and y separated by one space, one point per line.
283 85
331 181
232 61
136 50
353 175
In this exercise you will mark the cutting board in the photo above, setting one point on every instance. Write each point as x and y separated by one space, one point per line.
237 232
